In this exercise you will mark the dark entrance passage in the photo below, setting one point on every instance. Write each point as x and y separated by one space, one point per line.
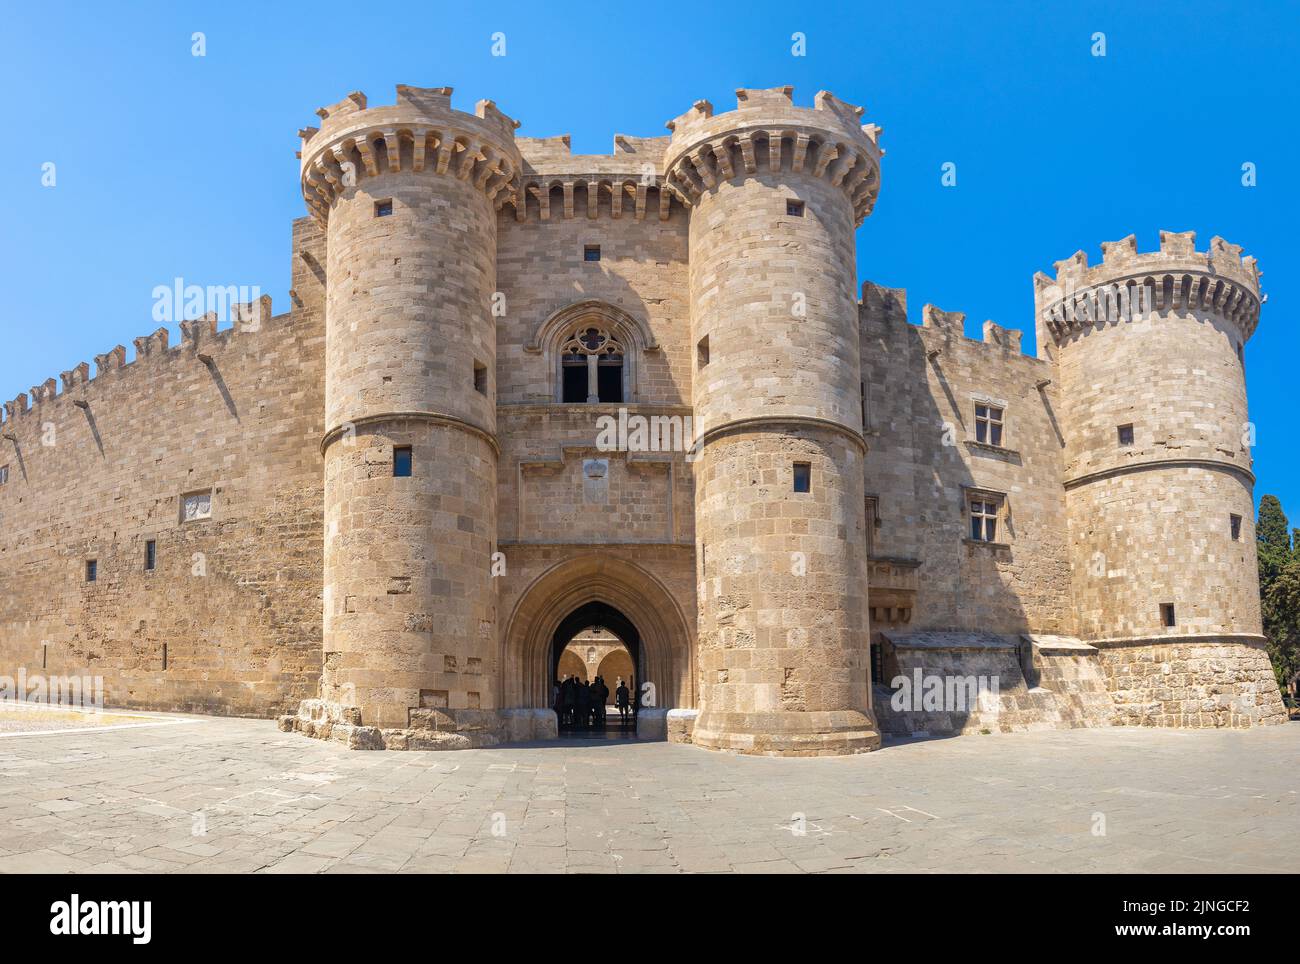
586 703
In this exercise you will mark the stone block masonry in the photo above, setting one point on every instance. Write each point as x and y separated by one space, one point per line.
382 515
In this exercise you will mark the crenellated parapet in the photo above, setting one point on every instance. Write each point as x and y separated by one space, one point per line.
420 133
1129 285
152 348
767 132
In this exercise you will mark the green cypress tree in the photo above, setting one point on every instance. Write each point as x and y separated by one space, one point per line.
1279 588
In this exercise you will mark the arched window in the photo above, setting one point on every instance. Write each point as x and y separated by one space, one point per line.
593 352
591 366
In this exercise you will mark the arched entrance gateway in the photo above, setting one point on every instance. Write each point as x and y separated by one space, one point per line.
627 603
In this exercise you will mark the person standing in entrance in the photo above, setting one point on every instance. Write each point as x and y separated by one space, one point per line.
621 698
584 705
569 697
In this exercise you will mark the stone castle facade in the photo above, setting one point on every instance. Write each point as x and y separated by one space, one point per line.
383 514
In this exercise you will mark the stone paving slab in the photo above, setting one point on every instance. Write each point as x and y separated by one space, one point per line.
224 795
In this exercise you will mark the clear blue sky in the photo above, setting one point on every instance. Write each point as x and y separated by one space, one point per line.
173 165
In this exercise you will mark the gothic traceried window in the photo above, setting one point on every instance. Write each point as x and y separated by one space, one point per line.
591 362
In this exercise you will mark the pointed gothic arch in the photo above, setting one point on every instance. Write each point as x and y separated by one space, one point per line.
631 333
664 640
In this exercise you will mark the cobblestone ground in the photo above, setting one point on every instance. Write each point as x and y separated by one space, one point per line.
209 794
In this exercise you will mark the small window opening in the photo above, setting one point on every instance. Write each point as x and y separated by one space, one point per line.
609 379
794 208
702 352
1126 435
401 461
92 570
575 380
480 378
591 252
984 520
384 208
988 424
1235 523
150 555
1167 614
803 476
4 474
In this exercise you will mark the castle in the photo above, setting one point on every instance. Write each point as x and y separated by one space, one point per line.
382 515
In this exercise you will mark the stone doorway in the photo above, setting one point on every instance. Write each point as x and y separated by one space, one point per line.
629 605
592 650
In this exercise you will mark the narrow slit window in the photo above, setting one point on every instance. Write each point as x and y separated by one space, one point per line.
4 474
384 208
702 352
92 570
150 555
794 208
1167 614
1126 435
1234 522
480 378
988 424
591 252
402 461
803 476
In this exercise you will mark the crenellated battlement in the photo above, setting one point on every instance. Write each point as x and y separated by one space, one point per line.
153 348
889 306
1129 284
420 132
768 132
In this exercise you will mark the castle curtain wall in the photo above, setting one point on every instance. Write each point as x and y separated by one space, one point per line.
229 621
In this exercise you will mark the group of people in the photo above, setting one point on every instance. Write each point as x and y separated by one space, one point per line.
581 705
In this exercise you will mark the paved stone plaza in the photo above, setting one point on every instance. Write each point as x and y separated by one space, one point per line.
187 794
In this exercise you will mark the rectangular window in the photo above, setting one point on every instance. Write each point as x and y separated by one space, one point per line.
92 570
803 476
401 461
575 378
480 378
591 252
1126 435
4 474
794 208
1235 525
702 352
609 379
988 424
1167 614
984 519
150 555
384 208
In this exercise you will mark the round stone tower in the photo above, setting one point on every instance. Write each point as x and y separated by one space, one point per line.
409 195
775 192
1149 356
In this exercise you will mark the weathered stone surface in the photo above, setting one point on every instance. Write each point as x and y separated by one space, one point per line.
446 271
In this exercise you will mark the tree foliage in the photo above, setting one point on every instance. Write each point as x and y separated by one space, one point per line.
1279 588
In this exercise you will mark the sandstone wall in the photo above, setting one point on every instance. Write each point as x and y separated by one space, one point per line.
229 621
1182 682
921 387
